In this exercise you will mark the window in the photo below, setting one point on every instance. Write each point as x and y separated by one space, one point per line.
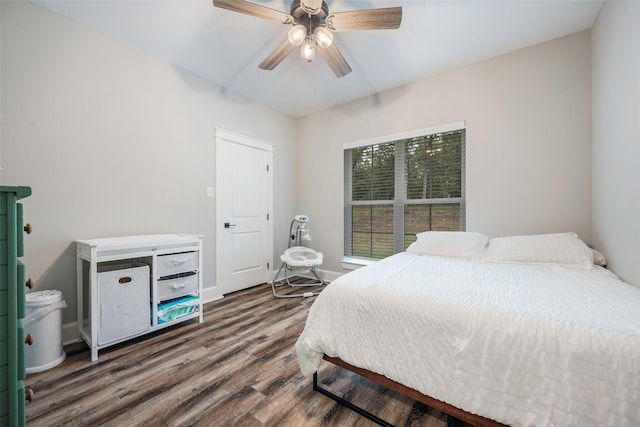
395 189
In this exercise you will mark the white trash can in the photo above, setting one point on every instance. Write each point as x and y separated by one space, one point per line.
43 321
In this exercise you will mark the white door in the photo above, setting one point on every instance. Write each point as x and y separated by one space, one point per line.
243 211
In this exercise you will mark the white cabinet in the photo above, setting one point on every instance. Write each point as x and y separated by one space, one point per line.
130 286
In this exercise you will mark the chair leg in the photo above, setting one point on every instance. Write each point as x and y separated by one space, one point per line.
286 279
313 271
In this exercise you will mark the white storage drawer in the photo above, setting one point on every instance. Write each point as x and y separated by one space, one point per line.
123 303
177 287
177 263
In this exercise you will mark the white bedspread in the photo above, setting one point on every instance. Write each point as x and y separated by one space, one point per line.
521 344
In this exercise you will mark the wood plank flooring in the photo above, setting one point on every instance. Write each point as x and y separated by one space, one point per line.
238 368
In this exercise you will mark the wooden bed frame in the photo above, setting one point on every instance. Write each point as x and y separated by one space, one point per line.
453 413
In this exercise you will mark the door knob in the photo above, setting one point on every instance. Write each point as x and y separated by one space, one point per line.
227 225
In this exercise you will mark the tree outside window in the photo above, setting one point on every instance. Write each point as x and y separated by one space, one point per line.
394 190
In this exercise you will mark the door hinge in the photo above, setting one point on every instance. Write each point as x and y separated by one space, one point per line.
267 217
268 265
267 168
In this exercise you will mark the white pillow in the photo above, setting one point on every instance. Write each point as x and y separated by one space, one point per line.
599 258
559 248
458 244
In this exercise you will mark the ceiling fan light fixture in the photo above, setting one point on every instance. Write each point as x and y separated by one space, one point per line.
297 35
308 51
323 37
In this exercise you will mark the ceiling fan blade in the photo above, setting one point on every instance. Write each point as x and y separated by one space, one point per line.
335 60
276 57
253 9
370 19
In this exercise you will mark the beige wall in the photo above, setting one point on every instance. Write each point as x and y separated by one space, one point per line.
616 136
528 116
115 142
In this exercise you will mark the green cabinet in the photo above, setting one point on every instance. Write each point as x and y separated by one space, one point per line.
12 307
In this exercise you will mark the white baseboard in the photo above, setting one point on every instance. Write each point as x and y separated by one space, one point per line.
210 294
70 333
326 275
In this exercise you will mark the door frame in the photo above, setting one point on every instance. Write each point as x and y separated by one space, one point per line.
236 138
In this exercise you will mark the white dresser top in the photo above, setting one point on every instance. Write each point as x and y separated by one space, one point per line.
150 242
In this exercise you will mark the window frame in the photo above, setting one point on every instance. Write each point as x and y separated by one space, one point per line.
398 203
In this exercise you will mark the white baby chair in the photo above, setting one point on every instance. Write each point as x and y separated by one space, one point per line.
299 260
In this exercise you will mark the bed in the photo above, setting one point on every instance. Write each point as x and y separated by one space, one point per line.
523 330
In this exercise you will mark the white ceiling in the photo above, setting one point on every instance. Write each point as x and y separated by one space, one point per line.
226 47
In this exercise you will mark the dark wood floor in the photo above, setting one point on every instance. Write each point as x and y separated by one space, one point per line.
238 368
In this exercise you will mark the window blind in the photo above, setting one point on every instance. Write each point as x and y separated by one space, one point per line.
396 189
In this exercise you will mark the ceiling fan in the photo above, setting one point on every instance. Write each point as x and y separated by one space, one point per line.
313 26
